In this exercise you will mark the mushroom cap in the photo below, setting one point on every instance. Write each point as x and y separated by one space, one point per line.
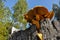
41 11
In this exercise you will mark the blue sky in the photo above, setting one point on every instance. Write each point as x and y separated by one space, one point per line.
32 3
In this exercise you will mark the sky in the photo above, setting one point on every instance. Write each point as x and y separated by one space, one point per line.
33 3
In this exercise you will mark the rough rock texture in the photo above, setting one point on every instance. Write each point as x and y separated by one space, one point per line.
50 31
28 34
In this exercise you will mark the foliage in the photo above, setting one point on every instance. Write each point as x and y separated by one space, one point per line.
19 9
6 21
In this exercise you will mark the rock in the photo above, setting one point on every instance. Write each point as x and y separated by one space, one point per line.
28 34
50 30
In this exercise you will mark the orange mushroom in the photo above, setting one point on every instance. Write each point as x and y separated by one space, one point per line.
37 14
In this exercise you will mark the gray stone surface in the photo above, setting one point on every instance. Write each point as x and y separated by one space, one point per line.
50 31
28 34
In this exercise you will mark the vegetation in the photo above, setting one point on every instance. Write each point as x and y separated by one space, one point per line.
19 9
8 20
